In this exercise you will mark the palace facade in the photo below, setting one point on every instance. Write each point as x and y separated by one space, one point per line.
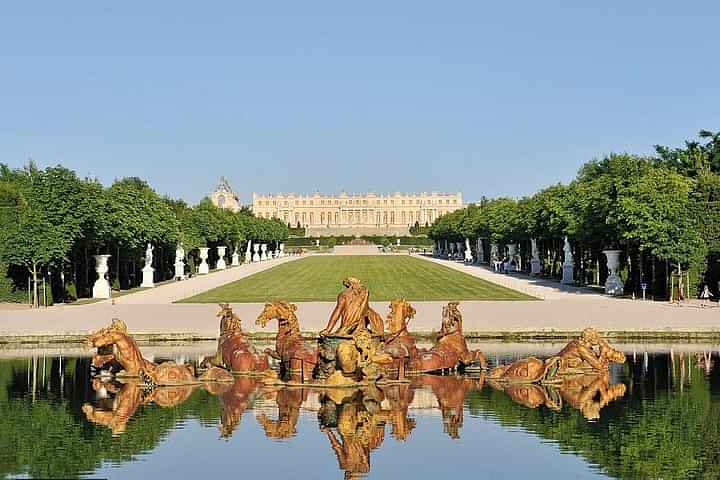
356 214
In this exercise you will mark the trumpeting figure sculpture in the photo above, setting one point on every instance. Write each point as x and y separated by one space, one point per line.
590 353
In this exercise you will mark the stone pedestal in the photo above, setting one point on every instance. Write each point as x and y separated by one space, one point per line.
263 250
221 265
235 258
148 274
535 263
248 252
613 285
282 250
180 270
204 268
256 255
101 288
568 277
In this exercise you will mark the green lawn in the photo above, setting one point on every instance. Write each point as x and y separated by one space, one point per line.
319 278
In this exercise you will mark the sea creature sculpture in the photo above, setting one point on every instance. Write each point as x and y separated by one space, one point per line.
298 359
450 350
590 353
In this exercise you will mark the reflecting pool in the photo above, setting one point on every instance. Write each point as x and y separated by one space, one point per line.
656 416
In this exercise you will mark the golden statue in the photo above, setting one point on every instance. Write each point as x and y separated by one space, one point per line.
297 358
235 352
450 392
590 353
126 352
398 341
114 344
450 350
353 310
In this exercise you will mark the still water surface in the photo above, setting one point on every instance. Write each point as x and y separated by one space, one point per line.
57 422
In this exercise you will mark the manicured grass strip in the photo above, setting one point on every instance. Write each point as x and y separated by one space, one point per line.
318 279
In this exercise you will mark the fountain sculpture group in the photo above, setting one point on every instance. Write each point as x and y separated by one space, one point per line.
362 372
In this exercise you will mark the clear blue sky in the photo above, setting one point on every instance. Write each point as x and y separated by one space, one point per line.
487 98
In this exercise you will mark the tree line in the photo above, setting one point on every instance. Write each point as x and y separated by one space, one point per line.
52 222
661 210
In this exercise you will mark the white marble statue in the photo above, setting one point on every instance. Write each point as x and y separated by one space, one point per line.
263 250
248 252
235 257
101 288
468 251
282 250
148 270
179 262
568 276
204 268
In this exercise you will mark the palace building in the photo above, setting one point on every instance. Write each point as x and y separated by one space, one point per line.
345 214
356 214
225 197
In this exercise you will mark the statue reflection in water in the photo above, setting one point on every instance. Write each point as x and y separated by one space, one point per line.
123 400
450 392
588 393
354 421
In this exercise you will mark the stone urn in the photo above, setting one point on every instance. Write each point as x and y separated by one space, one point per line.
613 285
204 269
221 265
263 249
256 255
101 288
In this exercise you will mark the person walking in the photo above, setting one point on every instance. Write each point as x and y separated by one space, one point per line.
705 296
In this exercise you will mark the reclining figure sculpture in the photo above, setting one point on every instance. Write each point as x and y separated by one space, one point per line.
117 346
297 358
450 350
234 350
586 354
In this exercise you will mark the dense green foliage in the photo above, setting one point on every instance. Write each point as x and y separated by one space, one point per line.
319 278
661 211
52 222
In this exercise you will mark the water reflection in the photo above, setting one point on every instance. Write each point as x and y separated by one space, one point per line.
656 416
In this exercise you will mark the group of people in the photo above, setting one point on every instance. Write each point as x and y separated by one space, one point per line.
506 265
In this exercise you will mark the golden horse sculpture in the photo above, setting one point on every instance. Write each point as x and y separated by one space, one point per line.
125 351
298 359
587 354
234 350
398 341
450 350
116 346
